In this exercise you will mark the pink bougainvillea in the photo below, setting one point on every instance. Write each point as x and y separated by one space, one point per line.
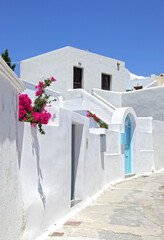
53 79
101 124
36 114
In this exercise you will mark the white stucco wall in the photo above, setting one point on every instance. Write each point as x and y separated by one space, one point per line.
45 163
31 90
12 218
145 150
158 142
112 97
60 64
114 157
147 102
93 66
45 166
45 66
79 99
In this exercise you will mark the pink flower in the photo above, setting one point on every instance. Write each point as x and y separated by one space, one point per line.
38 93
41 84
36 116
25 102
96 118
34 125
53 79
89 115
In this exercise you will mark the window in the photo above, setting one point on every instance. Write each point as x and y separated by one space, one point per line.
77 77
105 82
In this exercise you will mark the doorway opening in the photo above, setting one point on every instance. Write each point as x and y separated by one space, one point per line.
76 176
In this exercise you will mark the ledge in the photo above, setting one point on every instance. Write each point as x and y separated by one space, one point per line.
97 131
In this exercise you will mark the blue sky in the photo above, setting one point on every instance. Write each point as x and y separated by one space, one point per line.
128 30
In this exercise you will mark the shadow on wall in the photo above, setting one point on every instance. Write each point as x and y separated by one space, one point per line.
36 152
102 160
20 143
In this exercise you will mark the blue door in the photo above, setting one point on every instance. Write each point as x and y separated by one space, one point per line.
127 145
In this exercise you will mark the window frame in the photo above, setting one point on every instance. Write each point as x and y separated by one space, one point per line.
81 81
109 83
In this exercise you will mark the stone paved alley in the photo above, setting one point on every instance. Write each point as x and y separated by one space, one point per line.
133 209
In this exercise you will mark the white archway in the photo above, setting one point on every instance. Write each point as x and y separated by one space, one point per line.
119 117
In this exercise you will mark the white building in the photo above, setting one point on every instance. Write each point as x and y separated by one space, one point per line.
11 202
75 68
75 159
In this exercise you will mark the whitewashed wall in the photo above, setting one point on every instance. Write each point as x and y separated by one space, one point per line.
112 97
45 163
94 65
60 64
45 166
12 218
44 66
79 99
147 102
158 144
145 150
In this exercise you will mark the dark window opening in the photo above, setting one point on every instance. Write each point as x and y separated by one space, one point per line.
105 82
77 77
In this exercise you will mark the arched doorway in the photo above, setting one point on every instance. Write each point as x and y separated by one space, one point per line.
128 167
127 119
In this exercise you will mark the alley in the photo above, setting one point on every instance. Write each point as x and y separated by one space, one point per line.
132 209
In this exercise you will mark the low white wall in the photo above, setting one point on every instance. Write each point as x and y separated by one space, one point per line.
114 157
12 221
115 167
45 167
93 167
145 151
112 97
31 90
146 103
79 99
158 142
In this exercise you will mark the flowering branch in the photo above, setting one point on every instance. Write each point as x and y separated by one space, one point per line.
101 124
36 114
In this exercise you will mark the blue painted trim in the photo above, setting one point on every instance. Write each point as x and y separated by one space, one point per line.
122 138
127 145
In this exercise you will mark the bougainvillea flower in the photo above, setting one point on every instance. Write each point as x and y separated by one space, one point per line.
53 79
38 93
